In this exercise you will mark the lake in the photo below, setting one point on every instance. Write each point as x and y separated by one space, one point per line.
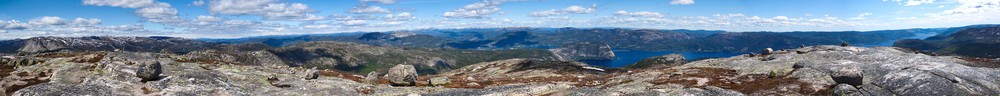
889 43
627 57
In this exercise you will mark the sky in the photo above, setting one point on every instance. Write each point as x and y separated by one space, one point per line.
243 18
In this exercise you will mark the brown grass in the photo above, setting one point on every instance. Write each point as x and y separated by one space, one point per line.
206 61
461 82
730 79
981 62
723 78
588 81
5 70
340 74
80 59
31 81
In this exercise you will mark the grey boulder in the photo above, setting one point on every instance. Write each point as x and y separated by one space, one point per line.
402 74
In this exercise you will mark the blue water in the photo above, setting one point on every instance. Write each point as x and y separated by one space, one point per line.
628 57
889 43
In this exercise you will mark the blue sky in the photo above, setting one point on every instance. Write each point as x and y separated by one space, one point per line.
241 18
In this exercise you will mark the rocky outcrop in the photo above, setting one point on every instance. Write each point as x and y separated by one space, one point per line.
259 58
584 51
845 90
149 71
403 75
849 74
526 68
118 75
767 51
880 70
372 77
310 74
438 81
668 60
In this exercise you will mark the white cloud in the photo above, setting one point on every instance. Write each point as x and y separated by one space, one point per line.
318 26
309 17
906 18
239 22
399 17
861 16
911 2
160 13
13 24
269 9
381 1
478 10
571 9
391 23
639 14
966 12
731 22
681 2
354 22
163 13
157 12
383 19
580 10
203 18
48 20
365 9
120 3
918 2
781 18
287 11
56 26
552 12
975 6
198 3
87 22
387 21
356 17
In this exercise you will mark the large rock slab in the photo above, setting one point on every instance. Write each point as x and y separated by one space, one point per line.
149 70
668 60
875 71
402 74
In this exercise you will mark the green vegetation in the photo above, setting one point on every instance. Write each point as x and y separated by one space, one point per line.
973 42
361 58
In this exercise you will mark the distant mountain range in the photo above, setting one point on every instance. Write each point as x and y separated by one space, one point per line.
444 49
345 56
617 38
103 43
978 41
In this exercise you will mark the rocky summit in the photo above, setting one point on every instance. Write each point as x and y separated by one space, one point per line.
811 70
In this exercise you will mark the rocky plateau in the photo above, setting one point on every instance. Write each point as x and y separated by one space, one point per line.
810 70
